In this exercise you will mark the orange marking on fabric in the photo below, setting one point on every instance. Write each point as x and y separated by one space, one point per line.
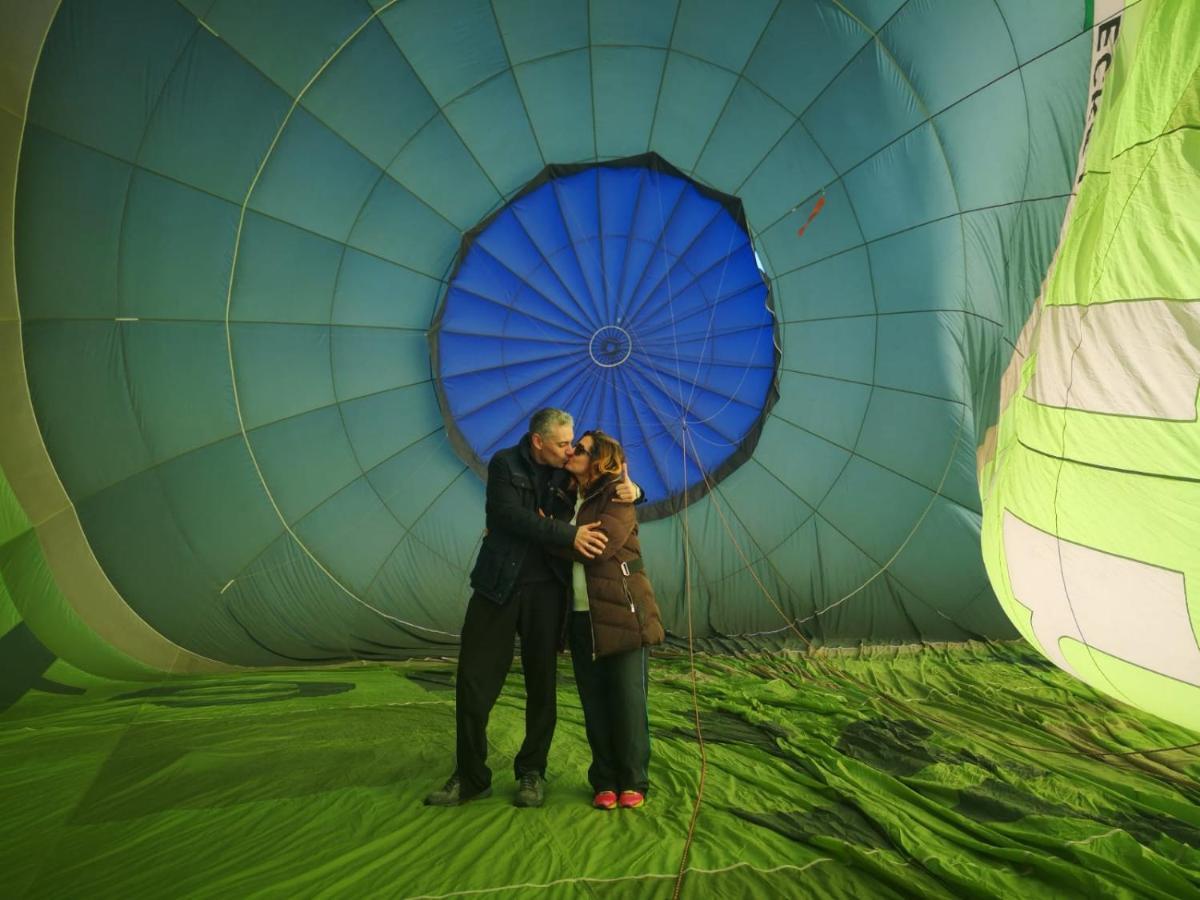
812 215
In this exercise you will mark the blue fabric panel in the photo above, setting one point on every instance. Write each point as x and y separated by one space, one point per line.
648 344
684 303
544 299
578 203
467 354
480 389
734 290
657 200
690 217
545 231
620 193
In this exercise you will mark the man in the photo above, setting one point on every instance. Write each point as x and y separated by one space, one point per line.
519 590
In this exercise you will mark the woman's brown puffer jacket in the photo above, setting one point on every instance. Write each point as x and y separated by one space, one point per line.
624 613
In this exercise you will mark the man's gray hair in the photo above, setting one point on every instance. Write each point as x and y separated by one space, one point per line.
546 420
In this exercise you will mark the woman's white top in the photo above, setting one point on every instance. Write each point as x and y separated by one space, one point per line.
578 576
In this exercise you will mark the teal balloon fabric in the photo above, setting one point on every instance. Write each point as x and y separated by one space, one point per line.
237 222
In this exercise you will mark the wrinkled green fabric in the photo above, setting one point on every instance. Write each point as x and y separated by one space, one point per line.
945 772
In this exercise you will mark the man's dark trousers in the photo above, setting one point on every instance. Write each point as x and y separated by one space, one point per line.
534 611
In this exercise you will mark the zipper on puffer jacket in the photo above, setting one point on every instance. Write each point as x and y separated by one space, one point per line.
633 607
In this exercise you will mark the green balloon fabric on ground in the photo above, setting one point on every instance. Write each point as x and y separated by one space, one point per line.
959 772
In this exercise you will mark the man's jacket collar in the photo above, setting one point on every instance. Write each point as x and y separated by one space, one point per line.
526 454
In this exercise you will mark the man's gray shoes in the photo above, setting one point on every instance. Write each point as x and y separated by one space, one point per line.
531 791
451 794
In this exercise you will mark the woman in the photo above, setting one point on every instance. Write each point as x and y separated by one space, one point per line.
614 620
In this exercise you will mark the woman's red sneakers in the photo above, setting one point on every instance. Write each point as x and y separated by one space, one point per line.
631 799
605 800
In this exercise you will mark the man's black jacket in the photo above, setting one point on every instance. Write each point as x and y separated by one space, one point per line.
513 523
